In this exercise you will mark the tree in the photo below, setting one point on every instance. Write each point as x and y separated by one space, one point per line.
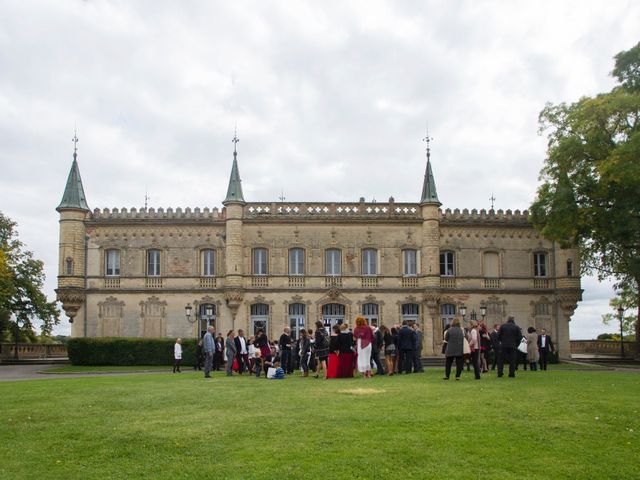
627 299
590 192
21 280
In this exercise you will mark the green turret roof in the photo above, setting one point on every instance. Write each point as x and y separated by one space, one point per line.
429 194
73 196
234 192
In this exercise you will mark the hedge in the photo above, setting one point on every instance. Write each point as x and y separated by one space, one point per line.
128 351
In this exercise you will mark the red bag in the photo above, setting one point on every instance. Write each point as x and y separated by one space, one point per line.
235 365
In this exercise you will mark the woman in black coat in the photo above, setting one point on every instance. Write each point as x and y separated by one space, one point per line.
454 337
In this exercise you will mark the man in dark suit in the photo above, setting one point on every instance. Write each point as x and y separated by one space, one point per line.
495 345
242 354
406 346
509 336
545 345
285 350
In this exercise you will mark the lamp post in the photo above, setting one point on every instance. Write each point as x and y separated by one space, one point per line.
187 311
483 312
621 318
208 310
463 312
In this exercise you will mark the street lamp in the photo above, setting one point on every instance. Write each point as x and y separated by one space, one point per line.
621 318
483 311
463 312
187 311
208 311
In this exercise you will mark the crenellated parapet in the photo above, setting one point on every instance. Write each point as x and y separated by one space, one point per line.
466 216
158 214
307 210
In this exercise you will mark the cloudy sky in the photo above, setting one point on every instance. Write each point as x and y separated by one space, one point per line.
331 100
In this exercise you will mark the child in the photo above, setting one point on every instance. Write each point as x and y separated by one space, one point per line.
279 374
177 355
257 364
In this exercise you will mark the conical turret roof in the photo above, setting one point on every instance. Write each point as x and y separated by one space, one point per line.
73 196
429 194
234 192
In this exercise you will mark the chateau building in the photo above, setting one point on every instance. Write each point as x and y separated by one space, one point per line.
130 272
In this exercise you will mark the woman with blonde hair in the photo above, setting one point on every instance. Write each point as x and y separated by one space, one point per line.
364 337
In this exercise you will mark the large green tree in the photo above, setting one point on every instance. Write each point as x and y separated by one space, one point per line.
626 298
590 191
21 280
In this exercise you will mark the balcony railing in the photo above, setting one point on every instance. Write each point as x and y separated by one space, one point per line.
333 282
410 282
260 281
296 282
112 282
207 282
491 283
448 282
540 283
154 282
369 282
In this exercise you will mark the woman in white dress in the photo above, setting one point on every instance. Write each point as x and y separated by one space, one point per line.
364 337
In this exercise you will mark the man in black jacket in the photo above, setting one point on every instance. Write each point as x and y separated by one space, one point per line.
406 345
375 350
495 345
545 345
285 350
509 336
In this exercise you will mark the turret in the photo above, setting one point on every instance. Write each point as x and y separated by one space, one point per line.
234 203
430 208
73 211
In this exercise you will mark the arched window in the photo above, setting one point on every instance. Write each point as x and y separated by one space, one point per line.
447 313
569 268
207 317
297 318
153 263
369 261
260 317
333 262
410 312
112 263
208 263
447 264
296 261
260 264
332 313
68 266
370 312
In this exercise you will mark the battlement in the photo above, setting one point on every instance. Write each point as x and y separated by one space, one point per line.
482 216
157 214
331 209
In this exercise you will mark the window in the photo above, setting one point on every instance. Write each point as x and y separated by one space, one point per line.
333 262
410 262
491 265
369 261
332 314
208 262
296 261
447 268
68 266
260 316
569 268
541 309
410 312
539 264
370 312
260 261
297 318
447 313
112 263
153 263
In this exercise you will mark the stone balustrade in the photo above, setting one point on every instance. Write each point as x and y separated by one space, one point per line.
33 351
603 347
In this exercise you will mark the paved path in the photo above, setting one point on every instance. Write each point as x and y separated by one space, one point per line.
9 373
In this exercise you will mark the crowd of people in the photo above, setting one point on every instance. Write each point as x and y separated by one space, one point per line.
366 349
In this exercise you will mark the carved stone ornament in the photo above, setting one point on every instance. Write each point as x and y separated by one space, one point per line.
233 298
71 299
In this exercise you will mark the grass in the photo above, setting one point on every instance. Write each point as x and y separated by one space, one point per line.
540 425
108 369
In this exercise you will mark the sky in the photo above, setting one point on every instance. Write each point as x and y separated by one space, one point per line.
330 99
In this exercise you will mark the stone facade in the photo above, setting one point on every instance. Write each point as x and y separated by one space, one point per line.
132 272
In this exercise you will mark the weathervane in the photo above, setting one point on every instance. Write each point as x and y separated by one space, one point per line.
146 198
235 141
75 142
427 140
493 199
282 197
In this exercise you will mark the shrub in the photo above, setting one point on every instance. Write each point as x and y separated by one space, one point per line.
128 351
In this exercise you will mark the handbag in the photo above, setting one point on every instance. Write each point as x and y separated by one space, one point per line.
466 349
523 345
271 372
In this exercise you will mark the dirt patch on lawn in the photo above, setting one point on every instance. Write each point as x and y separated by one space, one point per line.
362 391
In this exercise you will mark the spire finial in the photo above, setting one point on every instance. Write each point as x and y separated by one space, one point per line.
235 141
75 142
427 140
493 199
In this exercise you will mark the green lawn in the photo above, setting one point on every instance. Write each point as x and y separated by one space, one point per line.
109 369
540 425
